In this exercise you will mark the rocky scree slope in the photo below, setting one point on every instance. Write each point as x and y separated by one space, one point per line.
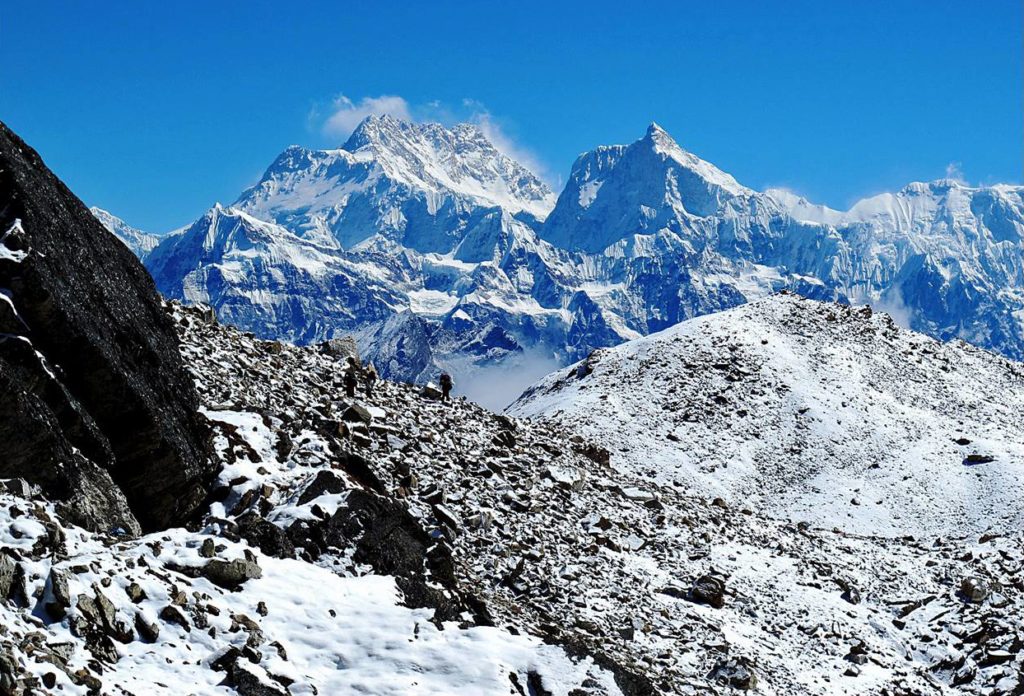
538 531
441 247
809 411
673 590
95 404
226 606
409 516
201 612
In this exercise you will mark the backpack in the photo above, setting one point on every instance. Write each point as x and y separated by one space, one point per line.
446 380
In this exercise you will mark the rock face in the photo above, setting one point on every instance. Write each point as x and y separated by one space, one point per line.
95 403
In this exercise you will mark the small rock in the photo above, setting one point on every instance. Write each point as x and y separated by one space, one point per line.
975 589
357 414
135 592
56 594
149 632
171 614
208 549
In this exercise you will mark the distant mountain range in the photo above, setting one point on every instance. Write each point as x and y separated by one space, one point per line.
435 249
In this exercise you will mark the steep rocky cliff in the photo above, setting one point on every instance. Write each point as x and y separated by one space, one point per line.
95 403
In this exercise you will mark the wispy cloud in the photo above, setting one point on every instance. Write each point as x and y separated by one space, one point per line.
955 172
491 127
346 114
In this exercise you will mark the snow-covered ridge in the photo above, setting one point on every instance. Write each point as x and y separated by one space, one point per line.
809 411
141 243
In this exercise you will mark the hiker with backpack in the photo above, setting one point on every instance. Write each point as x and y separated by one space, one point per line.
370 381
351 382
446 385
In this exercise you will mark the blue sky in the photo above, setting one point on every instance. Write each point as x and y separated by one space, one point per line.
157 110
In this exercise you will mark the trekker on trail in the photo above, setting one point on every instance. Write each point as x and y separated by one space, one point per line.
371 380
446 385
350 383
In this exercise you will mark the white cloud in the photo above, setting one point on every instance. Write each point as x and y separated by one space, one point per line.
347 114
954 172
892 304
505 144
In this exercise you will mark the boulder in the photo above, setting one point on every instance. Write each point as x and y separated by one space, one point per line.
148 631
341 348
56 593
595 453
248 681
270 539
975 589
357 414
708 589
172 615
325 481
231 574
737 673
8 568
21 488
430 391
96 405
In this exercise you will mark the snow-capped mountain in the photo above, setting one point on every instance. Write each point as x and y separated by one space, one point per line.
135 239
685 238
421 186
616 192
269 279
431 243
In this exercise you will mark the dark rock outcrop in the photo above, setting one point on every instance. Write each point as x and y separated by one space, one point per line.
393 542
95 403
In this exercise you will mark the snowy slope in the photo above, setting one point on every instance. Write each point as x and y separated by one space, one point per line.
561 545
141 243
174 634
808 411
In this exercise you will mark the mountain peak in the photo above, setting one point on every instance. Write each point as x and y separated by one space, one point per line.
416 171
654 130
660 139
373 128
